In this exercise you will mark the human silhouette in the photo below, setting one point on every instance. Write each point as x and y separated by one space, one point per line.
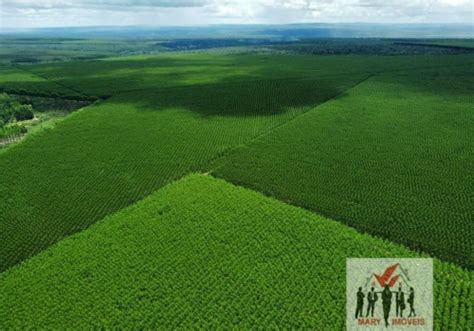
400 302
386 303
411 302
371 298
360 303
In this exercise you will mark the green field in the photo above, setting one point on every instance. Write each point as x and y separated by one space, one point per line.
19 80
365 141
108 156
398 167
123 74
201 253
225 189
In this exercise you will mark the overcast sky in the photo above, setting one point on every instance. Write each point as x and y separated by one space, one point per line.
47 13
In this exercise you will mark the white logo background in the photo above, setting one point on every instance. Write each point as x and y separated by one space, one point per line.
416 273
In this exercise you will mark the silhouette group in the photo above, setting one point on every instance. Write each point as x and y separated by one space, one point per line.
386 294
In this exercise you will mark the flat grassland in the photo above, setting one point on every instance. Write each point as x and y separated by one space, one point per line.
202 253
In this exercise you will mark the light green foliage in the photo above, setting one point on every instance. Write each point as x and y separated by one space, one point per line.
201 253
105 157
20 81
11 75
392 157
11 130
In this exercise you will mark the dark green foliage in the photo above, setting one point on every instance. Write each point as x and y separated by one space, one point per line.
45 104
203 254
251 98
366 47
23 113
392 157
11 109
5 109
459 45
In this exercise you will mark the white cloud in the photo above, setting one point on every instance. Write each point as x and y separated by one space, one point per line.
454 2
60 4
190 12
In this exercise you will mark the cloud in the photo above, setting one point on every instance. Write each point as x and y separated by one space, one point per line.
350 10
455 2
190 12
61 4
